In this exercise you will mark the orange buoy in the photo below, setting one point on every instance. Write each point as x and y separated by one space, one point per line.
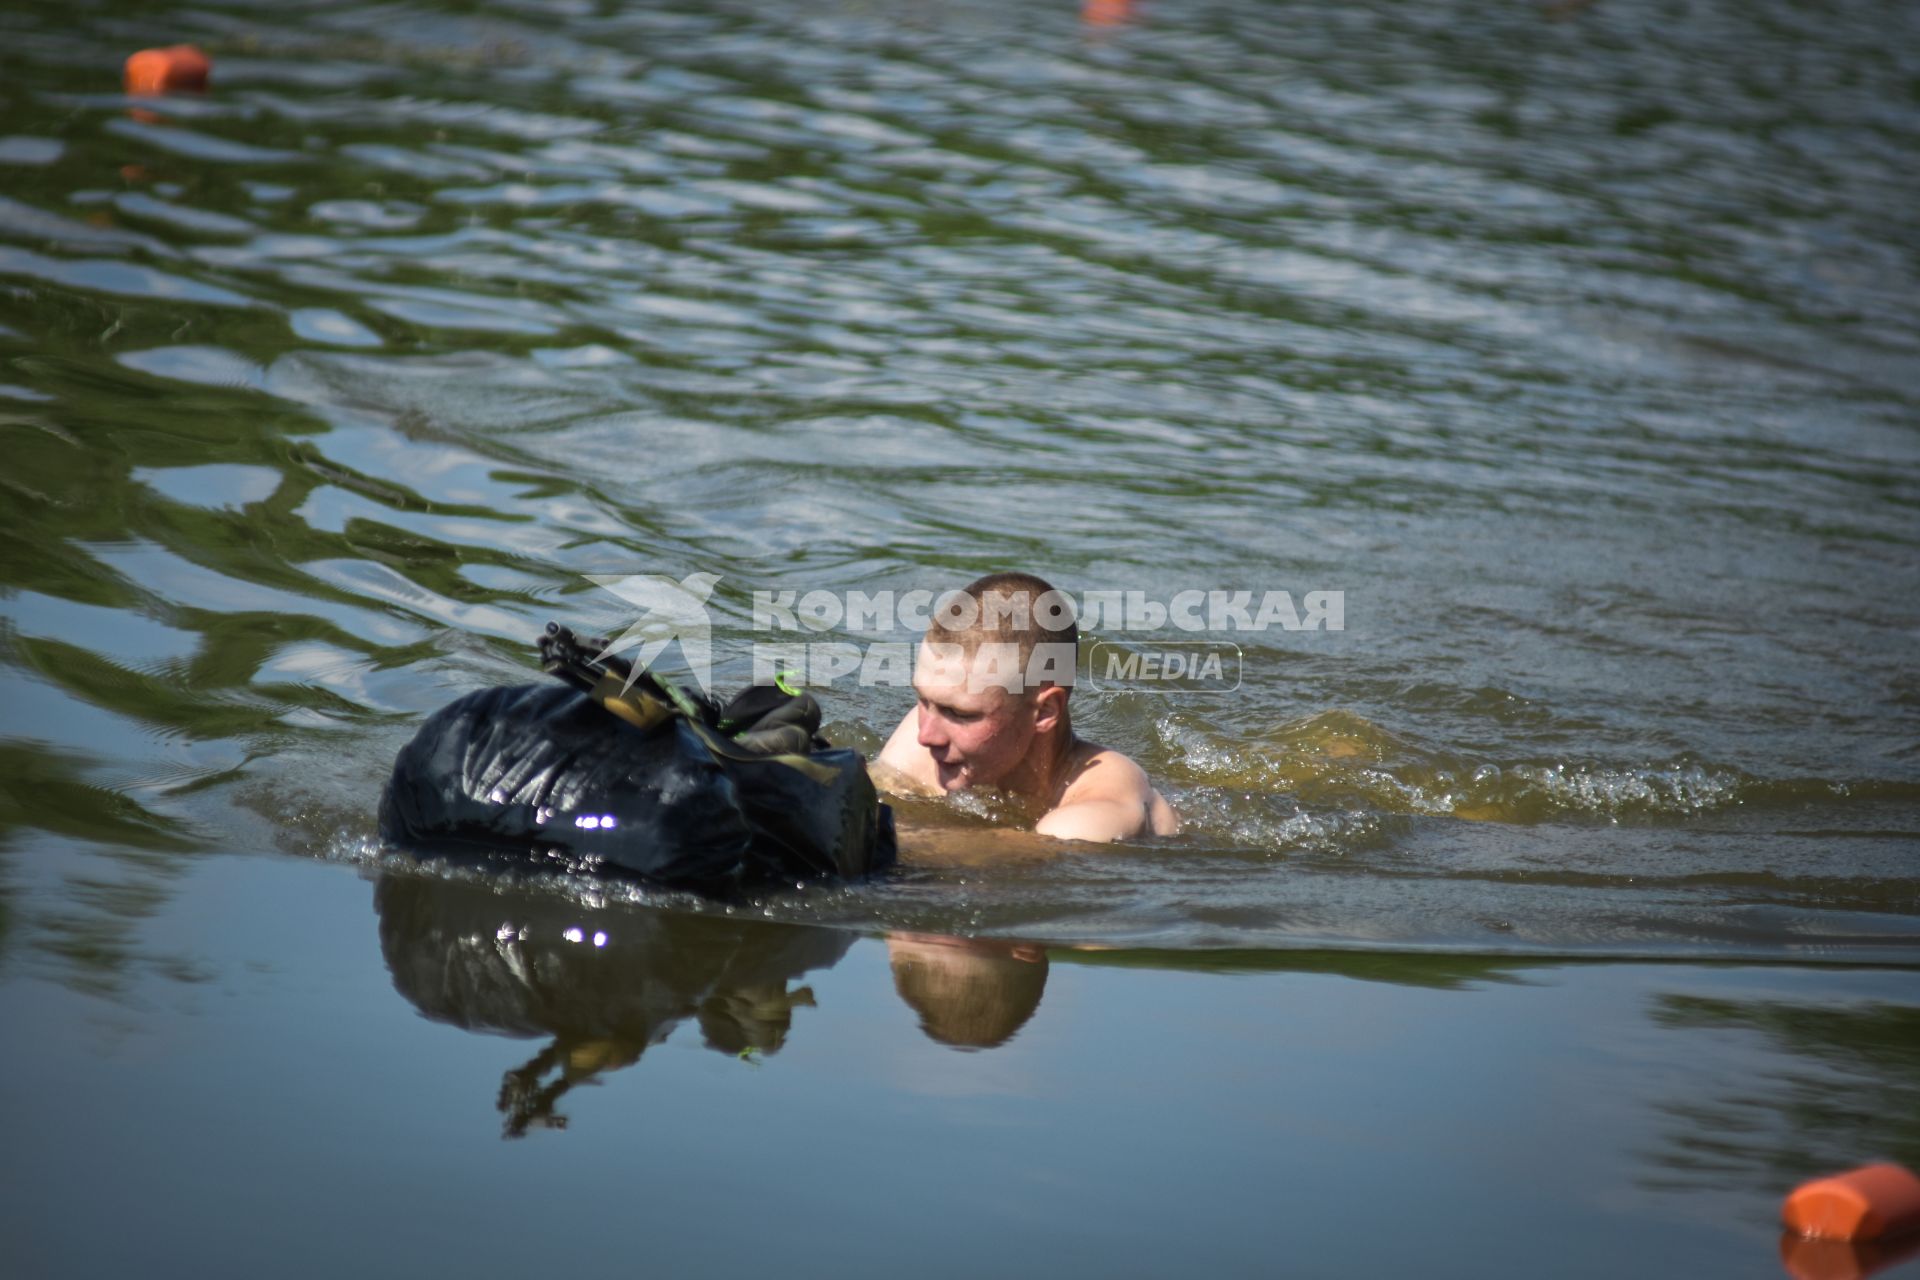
1105 13
169 70
1868 1203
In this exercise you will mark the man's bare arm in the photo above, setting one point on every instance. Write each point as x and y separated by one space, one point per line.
941 845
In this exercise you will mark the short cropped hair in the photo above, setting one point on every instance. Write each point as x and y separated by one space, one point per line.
1007 608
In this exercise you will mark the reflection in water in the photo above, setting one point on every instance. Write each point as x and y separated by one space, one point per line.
602 984
1849 1094
86 937
1401 968
1807 1259
971 993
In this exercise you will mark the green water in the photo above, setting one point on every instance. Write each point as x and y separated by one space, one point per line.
1579 350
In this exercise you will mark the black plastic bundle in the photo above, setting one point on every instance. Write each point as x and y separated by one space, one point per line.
619 772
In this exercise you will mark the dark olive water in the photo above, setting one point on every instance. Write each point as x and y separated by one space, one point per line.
1579 354
1578 347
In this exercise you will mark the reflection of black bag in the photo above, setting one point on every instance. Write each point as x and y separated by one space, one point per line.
668 790
526 964
601 985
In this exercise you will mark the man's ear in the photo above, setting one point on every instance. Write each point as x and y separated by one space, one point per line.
1049 707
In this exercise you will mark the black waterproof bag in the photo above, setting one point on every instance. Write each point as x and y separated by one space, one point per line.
621 773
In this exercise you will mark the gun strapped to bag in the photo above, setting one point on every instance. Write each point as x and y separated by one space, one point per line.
622 772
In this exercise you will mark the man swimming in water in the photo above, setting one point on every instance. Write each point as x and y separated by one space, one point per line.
980 722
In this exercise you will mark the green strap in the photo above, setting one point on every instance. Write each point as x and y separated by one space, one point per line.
678 696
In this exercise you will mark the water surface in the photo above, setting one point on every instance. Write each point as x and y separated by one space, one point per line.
1576 346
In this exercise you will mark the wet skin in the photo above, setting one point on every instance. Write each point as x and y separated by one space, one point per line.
966 732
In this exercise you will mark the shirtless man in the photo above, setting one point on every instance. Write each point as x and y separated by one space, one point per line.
970 730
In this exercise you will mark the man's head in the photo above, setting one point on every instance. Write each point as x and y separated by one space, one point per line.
993 677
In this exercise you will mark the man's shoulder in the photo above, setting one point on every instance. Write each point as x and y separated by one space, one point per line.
1101 772
1103 776
903 764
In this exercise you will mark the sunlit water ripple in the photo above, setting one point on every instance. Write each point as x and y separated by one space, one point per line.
1578 347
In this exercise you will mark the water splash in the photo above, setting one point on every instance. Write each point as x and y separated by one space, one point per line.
1338 758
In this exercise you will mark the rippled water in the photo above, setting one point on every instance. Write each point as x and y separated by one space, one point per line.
1578 347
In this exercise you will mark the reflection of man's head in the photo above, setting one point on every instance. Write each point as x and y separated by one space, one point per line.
971 993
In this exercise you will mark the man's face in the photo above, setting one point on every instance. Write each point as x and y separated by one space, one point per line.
976 731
